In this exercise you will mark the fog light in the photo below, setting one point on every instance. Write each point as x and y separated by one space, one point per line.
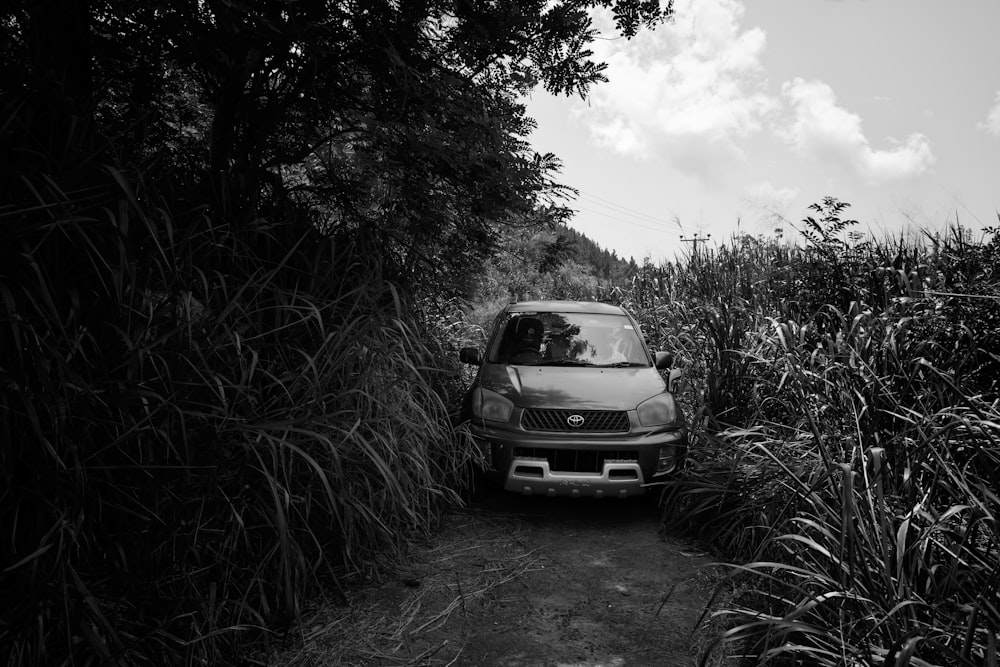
665 459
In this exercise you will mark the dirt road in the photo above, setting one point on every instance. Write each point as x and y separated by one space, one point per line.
520 582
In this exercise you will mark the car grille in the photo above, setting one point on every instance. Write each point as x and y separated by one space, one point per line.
594 421
575 460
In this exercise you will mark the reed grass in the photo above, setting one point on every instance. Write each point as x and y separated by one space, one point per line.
200 428
847 443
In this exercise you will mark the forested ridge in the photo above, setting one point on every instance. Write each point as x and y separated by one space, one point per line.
233 238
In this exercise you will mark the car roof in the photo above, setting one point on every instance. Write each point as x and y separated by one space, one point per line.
563 307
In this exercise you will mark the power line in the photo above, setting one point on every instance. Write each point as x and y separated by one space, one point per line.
600 201
628 211
613 210
627 222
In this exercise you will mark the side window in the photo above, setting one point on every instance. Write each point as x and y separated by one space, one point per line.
499 337
647 344
497 323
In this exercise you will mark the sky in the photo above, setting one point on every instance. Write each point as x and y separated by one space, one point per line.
737 116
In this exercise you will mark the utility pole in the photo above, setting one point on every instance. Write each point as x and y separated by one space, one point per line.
694 240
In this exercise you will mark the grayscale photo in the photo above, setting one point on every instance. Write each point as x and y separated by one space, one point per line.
513 333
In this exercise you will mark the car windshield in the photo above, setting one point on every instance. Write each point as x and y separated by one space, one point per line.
569 339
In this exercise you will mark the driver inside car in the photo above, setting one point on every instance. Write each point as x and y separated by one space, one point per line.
528 341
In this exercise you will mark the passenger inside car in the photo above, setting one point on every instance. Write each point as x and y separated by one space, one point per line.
557 349
621 346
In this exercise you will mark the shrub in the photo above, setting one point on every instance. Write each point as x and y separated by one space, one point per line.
200 427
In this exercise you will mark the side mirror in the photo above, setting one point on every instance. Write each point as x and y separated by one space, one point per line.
470 355
675 375
664 360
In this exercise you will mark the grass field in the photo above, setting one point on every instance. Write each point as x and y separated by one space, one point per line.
201 428
848 455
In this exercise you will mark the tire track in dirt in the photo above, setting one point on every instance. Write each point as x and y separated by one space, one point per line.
525 582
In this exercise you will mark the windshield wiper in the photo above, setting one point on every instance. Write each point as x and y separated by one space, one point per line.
622 364
565 362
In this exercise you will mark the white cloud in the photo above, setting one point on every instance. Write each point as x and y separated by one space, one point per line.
689 86
992 124
827 131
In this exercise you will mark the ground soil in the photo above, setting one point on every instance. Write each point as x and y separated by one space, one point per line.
519 582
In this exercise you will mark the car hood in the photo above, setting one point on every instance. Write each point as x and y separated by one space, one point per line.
573 388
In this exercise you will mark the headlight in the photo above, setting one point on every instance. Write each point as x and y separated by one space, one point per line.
659 410
490 405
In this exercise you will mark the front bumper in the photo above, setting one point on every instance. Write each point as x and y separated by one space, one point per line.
619 465
533 476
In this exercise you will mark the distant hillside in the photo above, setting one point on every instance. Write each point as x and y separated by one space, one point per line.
548 262
606 265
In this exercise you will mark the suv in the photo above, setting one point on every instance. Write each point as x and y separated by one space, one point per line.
569 401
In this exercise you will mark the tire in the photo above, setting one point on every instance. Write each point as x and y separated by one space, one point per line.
478 484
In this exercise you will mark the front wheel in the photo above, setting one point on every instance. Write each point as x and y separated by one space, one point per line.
478 486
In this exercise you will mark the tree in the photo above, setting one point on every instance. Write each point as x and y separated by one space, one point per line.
401 121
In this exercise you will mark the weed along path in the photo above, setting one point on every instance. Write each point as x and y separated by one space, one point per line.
520 582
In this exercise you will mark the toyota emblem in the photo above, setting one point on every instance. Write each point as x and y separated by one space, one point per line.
576 421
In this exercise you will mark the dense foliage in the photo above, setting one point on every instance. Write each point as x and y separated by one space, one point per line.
848 439
553 262
229 235
403 119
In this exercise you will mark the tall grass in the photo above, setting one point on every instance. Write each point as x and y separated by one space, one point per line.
864 500
848 460
200 427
